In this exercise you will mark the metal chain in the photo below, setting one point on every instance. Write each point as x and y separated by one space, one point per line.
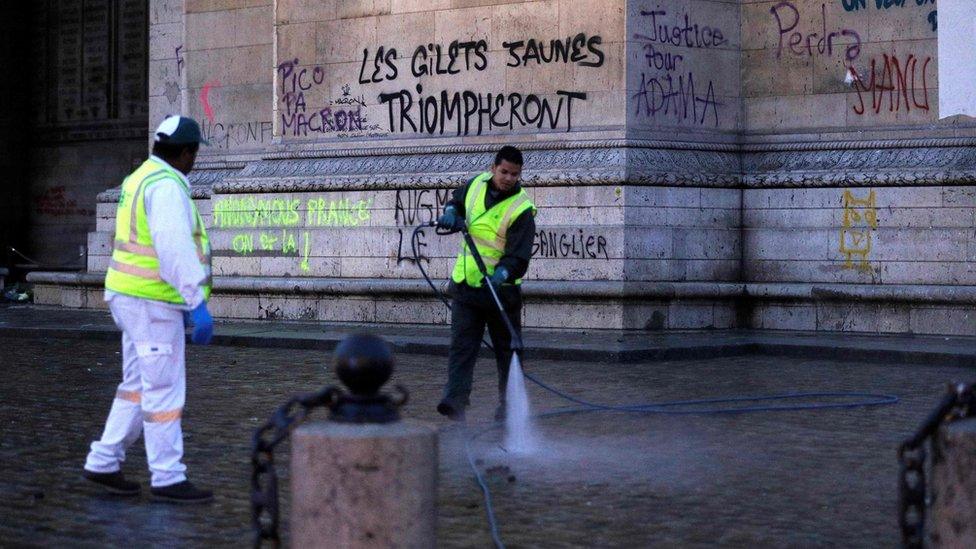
959 402
35 263
264 478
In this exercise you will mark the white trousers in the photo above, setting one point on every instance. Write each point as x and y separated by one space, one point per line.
151 395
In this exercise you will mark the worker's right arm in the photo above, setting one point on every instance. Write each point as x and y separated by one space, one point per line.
454 209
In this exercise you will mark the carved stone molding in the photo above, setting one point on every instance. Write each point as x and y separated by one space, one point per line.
202 180
309 151
551 164
947 161
894 164
852 145
683 168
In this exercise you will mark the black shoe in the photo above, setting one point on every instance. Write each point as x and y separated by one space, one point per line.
454 413
115 482
500 412
181 492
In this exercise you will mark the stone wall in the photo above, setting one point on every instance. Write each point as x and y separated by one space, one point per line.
796 56
708 163
683 70
66 178
850 176
85 120
443 72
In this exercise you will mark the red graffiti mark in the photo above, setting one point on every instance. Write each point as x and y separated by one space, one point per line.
55 203
205 99
899 80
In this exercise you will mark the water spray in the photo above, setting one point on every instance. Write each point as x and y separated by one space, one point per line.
708 406
520 435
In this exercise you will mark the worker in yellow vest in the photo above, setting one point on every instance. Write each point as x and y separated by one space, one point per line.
158 276
501 220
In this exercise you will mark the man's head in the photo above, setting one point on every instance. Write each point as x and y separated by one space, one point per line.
177 141
507 169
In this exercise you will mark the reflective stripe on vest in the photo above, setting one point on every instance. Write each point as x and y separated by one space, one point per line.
134 268
488 230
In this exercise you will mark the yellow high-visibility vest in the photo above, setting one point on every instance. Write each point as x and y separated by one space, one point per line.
488 229
134 269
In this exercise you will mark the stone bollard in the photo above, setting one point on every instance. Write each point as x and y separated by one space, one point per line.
954 485
365 478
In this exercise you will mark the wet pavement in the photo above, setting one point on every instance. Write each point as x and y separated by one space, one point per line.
605 479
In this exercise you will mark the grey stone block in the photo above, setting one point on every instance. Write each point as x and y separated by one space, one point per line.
846 317
781 316
347 309
943 320
684 316
572 314
787 244
48 294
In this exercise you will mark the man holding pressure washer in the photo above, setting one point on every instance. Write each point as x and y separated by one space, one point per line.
500 219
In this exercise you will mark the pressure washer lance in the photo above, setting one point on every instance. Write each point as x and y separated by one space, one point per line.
516 338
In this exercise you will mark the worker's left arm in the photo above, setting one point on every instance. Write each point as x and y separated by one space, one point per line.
171 221
518 246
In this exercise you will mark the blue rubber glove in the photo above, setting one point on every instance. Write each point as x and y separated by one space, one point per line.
202 324
448 220
499 277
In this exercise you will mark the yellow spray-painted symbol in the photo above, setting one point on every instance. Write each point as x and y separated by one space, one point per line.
860 219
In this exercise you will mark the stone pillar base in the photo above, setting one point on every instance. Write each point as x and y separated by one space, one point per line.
372 485
954 486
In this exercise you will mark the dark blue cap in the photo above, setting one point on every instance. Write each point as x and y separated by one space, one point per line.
179 130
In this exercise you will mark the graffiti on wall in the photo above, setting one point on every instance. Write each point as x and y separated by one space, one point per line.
569 245
668 89
55 202
884 83
809 42
413 207
172 88
180 62
467 112
224 134
474 113
205 99
253 211
860 219
902 81
857 5
279 223
283 243
172 93
339 117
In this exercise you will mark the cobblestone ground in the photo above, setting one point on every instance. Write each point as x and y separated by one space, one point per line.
822 478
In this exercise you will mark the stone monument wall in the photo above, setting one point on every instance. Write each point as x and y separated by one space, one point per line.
704 163
857 210
87 81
